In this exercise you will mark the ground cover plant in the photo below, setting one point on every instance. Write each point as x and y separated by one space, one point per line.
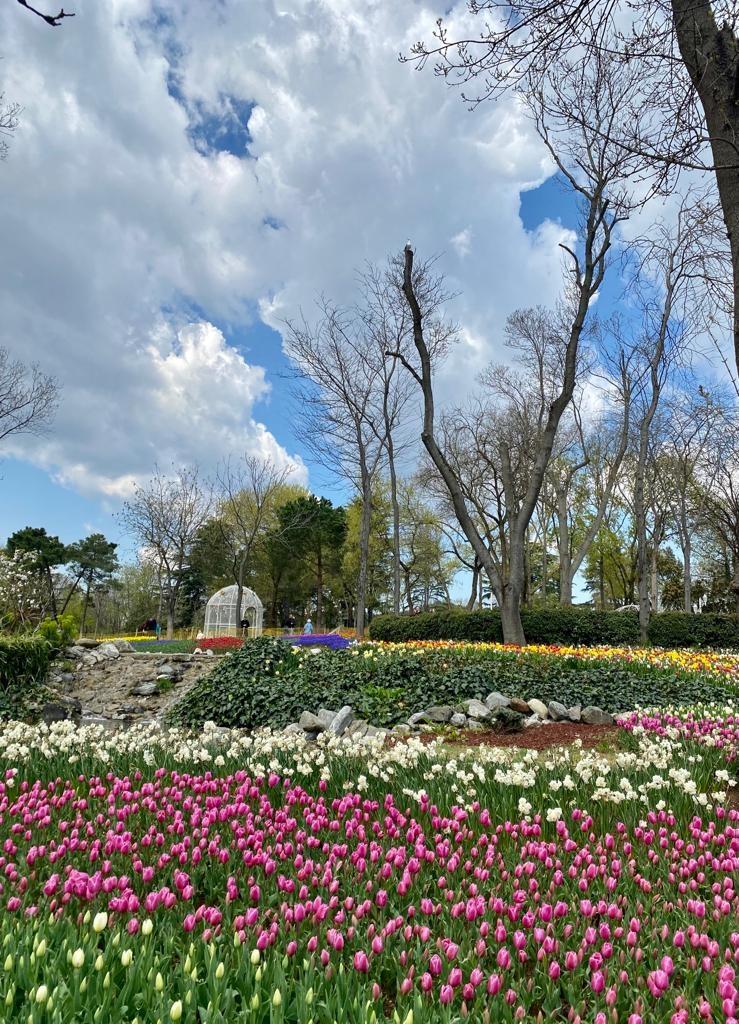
268 682
154 875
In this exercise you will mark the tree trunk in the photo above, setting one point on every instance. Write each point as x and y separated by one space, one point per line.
365 524
319 589
527 571
239 593
52 595
640 523
473 589
510 615
563 545
687 573
602 581
711 54
396 522
735 585
171 605
84 610
654 576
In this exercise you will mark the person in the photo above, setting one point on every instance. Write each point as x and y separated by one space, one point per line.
308 627
157 629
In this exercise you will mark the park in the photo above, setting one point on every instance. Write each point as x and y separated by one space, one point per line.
369 543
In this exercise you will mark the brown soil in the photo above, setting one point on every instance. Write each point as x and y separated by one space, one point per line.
540 737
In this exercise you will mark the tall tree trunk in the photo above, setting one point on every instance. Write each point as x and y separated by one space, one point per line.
171 608
396 519
602 581
239 593
544 560
319 589
711 55
654 576
527 571
642 555
473 589
84 609
563 547
52 595
686 547
365 524
510 615
735 585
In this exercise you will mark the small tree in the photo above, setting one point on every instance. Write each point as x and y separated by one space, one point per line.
92 561
166 515
315 532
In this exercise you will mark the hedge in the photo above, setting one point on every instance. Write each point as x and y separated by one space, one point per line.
575 626
24 662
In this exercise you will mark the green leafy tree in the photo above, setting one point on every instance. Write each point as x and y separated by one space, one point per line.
92 561
314 530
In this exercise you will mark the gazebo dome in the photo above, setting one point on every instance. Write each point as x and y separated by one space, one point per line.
220 612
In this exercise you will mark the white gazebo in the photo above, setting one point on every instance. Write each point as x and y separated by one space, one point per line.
220 612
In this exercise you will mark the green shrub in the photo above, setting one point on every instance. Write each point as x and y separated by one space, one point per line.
24 662
569 626
266 683
680 629
59 632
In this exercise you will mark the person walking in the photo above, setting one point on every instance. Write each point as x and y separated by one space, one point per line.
308 627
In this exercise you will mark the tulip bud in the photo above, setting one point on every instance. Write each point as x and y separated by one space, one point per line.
78 958
100 922
175 1011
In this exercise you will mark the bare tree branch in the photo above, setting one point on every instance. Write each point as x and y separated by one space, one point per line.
54 20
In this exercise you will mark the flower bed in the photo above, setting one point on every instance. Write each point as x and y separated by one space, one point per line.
156 876
334 641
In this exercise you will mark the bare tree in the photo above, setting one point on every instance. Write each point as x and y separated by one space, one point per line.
596 171
165 514
8 123
336 385
246 493
54 20
719 478
28 397
684 112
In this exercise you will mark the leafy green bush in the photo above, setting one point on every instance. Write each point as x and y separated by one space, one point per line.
679 629
24 662
575 626
266 683
59 632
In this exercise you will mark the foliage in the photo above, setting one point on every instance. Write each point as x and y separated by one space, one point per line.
21 589
24 662
565 626
266 683
59 632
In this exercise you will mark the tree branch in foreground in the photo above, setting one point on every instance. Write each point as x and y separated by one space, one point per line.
51 19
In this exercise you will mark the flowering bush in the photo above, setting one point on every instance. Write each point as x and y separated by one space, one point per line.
157 876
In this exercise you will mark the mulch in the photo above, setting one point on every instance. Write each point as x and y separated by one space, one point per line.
538 737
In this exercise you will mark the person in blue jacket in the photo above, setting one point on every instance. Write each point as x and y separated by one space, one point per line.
308 627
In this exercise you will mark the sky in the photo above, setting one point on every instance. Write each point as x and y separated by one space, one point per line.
187 176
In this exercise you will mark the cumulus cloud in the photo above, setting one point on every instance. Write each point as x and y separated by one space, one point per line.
181 164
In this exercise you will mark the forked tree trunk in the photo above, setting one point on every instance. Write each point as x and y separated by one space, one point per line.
365 525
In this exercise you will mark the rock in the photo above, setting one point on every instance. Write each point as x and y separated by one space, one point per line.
458 719
508 720
167 669
209 653
311 723
293 727
402 729
67 677
516 704
145 690
375 733
595 716
558 712
124 647
477 710
496 700
109 651
60 710
533 720
574 713
538 707
438 713
417 719
342 721
75 652
358 729
326 716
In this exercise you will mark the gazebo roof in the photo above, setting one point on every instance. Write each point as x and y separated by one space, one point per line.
228 595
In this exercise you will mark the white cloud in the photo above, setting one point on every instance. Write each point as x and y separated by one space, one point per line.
121 222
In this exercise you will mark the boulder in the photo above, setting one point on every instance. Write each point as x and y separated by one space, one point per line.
477 710
145 690
342 721
109 651
402 729
458 719
311 723
437 714
75 652
326 716
124 647
358 729
375 733
595 716
574 713
516 704
417 719
60 710
558 711
497 700
533 720
293 727
538 707
167 669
